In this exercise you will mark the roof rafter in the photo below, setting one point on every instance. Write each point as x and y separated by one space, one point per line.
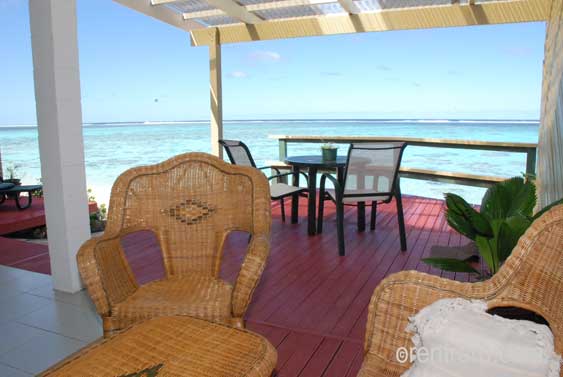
236 11
161 13
435 16
349 6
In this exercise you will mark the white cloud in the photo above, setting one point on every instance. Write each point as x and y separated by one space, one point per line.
238 74
265 56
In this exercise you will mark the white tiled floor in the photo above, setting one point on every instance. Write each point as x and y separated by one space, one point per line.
39 326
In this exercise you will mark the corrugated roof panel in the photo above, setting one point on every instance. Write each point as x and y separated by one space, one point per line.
293 12
217 20
188 6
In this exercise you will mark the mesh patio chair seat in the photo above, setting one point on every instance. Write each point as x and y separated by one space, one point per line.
239 154
191 202
530 279
371 175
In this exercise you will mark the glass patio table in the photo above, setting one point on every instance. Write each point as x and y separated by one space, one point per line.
312 164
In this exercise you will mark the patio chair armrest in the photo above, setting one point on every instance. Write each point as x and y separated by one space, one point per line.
250 273
105 270
401 296
271 168
288 174
335 183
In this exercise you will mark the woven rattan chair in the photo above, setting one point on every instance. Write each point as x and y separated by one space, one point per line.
371 175
191 202
530 279
239 154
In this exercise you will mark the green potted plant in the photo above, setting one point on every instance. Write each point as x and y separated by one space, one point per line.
329 151
13 172
506 212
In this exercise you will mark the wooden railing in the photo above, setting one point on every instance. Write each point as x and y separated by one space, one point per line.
530 149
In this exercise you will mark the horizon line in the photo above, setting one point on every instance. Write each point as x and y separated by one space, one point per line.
421 120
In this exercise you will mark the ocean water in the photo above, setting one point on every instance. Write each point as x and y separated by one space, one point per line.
112 148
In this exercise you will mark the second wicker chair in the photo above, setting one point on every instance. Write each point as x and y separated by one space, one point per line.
191 202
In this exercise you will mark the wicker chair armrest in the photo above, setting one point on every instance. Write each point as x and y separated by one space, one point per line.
250 273
105 270
401 296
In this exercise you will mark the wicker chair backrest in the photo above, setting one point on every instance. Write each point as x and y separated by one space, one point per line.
191 201
532 277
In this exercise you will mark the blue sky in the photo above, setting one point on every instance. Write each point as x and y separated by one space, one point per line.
136 68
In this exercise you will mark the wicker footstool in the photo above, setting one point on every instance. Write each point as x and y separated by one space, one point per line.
173 346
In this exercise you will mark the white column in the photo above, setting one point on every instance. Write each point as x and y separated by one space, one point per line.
216 92
61 147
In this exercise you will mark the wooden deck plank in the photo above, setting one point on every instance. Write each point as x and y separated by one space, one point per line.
321 359
13 220
311 304
342 362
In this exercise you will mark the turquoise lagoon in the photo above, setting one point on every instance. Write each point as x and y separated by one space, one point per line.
112 148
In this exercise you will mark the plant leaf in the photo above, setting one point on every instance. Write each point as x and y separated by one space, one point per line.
509 234
486 252
508 198
464 218
450 264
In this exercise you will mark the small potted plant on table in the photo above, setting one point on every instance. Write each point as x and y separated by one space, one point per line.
12 170
329 151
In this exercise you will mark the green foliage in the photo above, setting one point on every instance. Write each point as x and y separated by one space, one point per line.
464 218
450 264
512 197
98 218
505 214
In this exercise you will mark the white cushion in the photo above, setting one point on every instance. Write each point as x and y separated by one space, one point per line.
457 337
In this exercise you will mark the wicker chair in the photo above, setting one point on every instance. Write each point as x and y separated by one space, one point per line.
191 202
530 279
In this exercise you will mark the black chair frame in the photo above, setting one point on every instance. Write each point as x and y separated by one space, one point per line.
279 176
395 192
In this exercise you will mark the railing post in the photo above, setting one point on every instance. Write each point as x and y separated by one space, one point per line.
282 154
531 162
282 149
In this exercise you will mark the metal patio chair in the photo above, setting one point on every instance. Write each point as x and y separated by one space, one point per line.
371 175
239 154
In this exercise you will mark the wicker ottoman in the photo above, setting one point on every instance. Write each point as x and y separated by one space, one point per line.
173 346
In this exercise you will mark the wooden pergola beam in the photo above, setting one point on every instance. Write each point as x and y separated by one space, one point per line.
161 13
437 16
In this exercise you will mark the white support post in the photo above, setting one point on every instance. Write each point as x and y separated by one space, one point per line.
216 94
61 147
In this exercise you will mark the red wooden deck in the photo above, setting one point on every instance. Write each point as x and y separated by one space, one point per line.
311 303
12 219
